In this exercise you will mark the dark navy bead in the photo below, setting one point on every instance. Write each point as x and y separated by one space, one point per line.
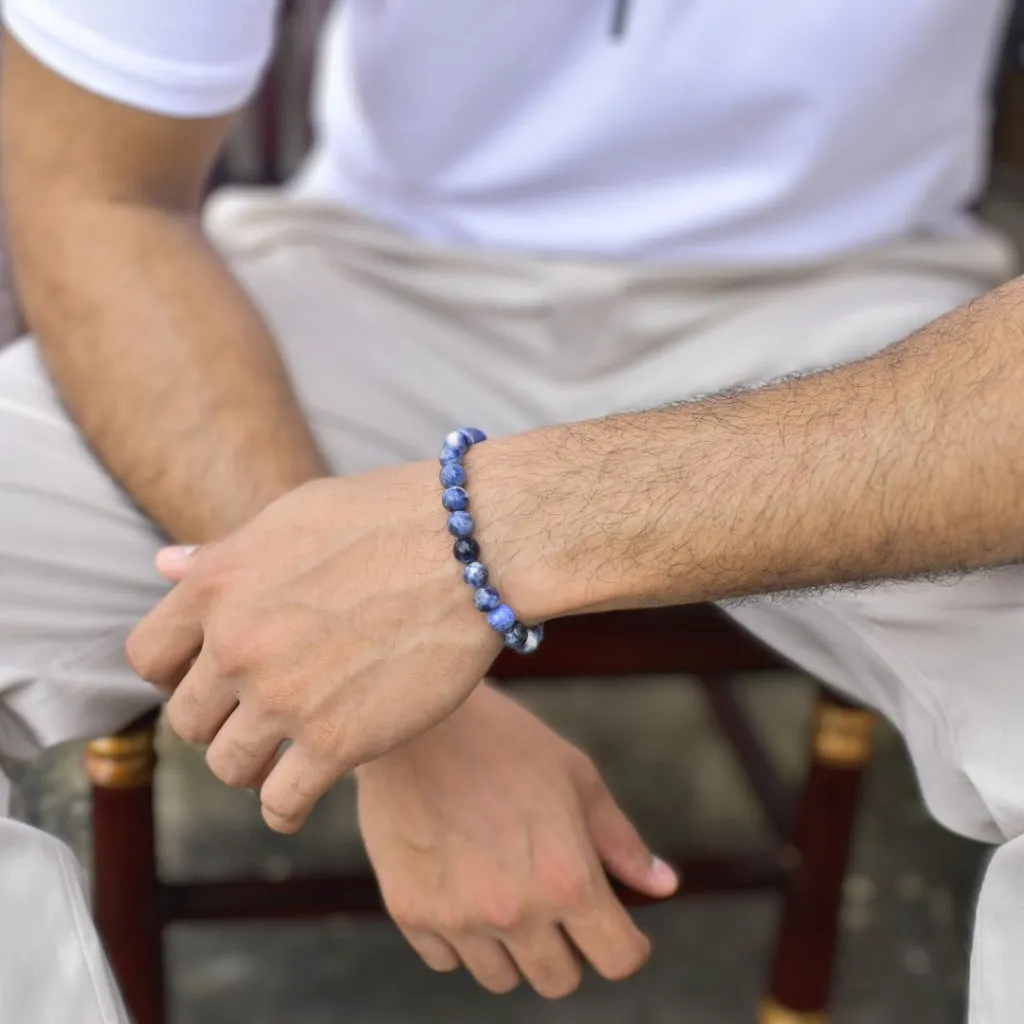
449 454
460 524
486 599
502 618
517 637
466 550
475 434
452 475
455 499
475 574
458 441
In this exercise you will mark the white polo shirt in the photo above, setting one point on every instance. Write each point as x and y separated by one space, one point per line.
709 132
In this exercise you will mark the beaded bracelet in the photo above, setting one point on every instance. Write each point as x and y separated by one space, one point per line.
518 637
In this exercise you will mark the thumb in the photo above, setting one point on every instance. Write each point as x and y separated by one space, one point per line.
173 563
621 849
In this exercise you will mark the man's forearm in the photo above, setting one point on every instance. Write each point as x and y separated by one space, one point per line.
159 355
911 461
164 363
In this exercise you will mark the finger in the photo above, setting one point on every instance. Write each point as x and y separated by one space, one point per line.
201 703
162 646
607 936
621 849
293 787
173 563
547 961
245 749
488 962
435 952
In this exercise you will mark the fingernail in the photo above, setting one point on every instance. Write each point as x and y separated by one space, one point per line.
176 556
663 875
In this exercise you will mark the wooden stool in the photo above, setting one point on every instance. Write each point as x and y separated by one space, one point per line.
806 861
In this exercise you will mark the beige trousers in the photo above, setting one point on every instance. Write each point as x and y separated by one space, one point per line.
390 343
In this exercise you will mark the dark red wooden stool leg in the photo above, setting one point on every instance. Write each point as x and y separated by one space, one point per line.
124 857
805 955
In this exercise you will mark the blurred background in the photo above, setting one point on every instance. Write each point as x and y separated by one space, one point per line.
905 922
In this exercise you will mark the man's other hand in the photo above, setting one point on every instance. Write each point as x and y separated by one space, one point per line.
490 836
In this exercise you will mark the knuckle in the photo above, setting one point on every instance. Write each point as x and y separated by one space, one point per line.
584 766
589 777
137 655
628 963
229 645
452 920
280 813
559 984
183 716
405 912
438 961
228 768
497 978
566 883
501 985
273 697
442 965
407 907
190 732
286 824
502 912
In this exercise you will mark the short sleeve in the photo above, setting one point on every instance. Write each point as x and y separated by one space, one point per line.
183 58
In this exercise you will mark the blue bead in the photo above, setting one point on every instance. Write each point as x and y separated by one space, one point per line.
502 618
475 574
458 441
486 599
449 454
466 550
460 524
452 475
455 499
475 434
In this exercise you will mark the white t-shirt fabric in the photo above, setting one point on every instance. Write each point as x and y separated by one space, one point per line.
726 132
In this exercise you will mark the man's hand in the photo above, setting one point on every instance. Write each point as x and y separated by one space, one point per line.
488 835
335 619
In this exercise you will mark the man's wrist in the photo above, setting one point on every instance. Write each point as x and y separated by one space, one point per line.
437 741
533 498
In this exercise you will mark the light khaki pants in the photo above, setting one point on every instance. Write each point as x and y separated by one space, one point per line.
392 343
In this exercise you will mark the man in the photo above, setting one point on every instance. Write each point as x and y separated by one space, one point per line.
514 217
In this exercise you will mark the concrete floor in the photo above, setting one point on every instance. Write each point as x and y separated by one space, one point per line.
905 921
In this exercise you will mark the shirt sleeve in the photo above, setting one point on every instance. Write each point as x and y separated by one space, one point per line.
183 58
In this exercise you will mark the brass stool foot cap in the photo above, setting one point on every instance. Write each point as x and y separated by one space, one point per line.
125 761
771 1012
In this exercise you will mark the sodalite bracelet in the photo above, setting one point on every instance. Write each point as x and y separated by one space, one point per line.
518 637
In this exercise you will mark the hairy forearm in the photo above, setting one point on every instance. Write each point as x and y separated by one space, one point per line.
163 362
909 462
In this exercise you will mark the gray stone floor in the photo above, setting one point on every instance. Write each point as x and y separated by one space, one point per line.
906 920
